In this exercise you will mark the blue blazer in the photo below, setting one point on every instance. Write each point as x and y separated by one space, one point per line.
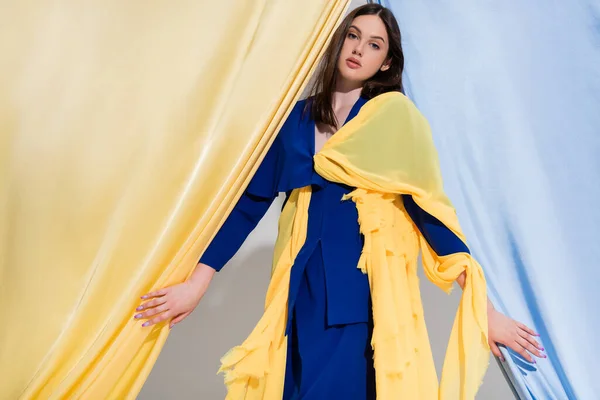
332 226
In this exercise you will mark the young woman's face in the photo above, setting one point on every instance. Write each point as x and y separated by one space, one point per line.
365 49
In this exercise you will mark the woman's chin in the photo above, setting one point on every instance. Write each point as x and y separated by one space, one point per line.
351 76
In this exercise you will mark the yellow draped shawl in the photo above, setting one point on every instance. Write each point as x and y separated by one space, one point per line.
385 151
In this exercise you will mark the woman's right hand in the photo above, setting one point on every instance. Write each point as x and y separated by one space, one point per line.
175 302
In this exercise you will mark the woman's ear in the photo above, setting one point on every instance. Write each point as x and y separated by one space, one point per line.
386 65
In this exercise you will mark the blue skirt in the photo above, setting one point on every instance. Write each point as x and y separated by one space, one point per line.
325 362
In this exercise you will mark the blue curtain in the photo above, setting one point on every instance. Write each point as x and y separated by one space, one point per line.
512 92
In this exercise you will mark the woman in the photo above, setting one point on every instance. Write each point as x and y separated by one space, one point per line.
329 304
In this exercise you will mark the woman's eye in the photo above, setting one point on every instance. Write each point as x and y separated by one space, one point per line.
375 46
352 36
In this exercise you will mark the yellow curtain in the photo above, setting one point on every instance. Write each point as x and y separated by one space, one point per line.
128 130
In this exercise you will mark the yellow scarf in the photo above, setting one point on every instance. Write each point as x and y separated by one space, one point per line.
385 151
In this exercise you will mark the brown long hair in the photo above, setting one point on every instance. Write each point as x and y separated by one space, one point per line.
321 104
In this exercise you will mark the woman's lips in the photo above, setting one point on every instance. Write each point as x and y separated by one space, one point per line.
352 63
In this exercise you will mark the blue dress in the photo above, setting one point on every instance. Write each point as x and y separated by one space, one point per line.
329 311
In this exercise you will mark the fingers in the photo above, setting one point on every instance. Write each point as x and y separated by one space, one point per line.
527 329
152 311
152 303
527 336
179 318
165 304
517 348
162 317
496 351
529 347
156 306
156 293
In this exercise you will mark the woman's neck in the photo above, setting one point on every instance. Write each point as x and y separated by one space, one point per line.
346 94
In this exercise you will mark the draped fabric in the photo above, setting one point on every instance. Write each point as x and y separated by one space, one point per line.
384 152
511 91
127 132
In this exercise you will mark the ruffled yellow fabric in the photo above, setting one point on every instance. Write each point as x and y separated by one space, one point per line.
384 152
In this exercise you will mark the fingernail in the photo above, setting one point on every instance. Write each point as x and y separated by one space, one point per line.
138 316
542 348
139 308
145 324
534 362
144 297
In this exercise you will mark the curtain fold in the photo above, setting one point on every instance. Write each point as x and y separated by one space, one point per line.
128 131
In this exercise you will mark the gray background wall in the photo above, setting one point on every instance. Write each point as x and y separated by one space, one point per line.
186 368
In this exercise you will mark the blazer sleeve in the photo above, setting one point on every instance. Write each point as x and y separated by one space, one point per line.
247 213
441 239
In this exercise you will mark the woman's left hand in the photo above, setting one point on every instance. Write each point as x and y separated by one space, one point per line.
512 334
